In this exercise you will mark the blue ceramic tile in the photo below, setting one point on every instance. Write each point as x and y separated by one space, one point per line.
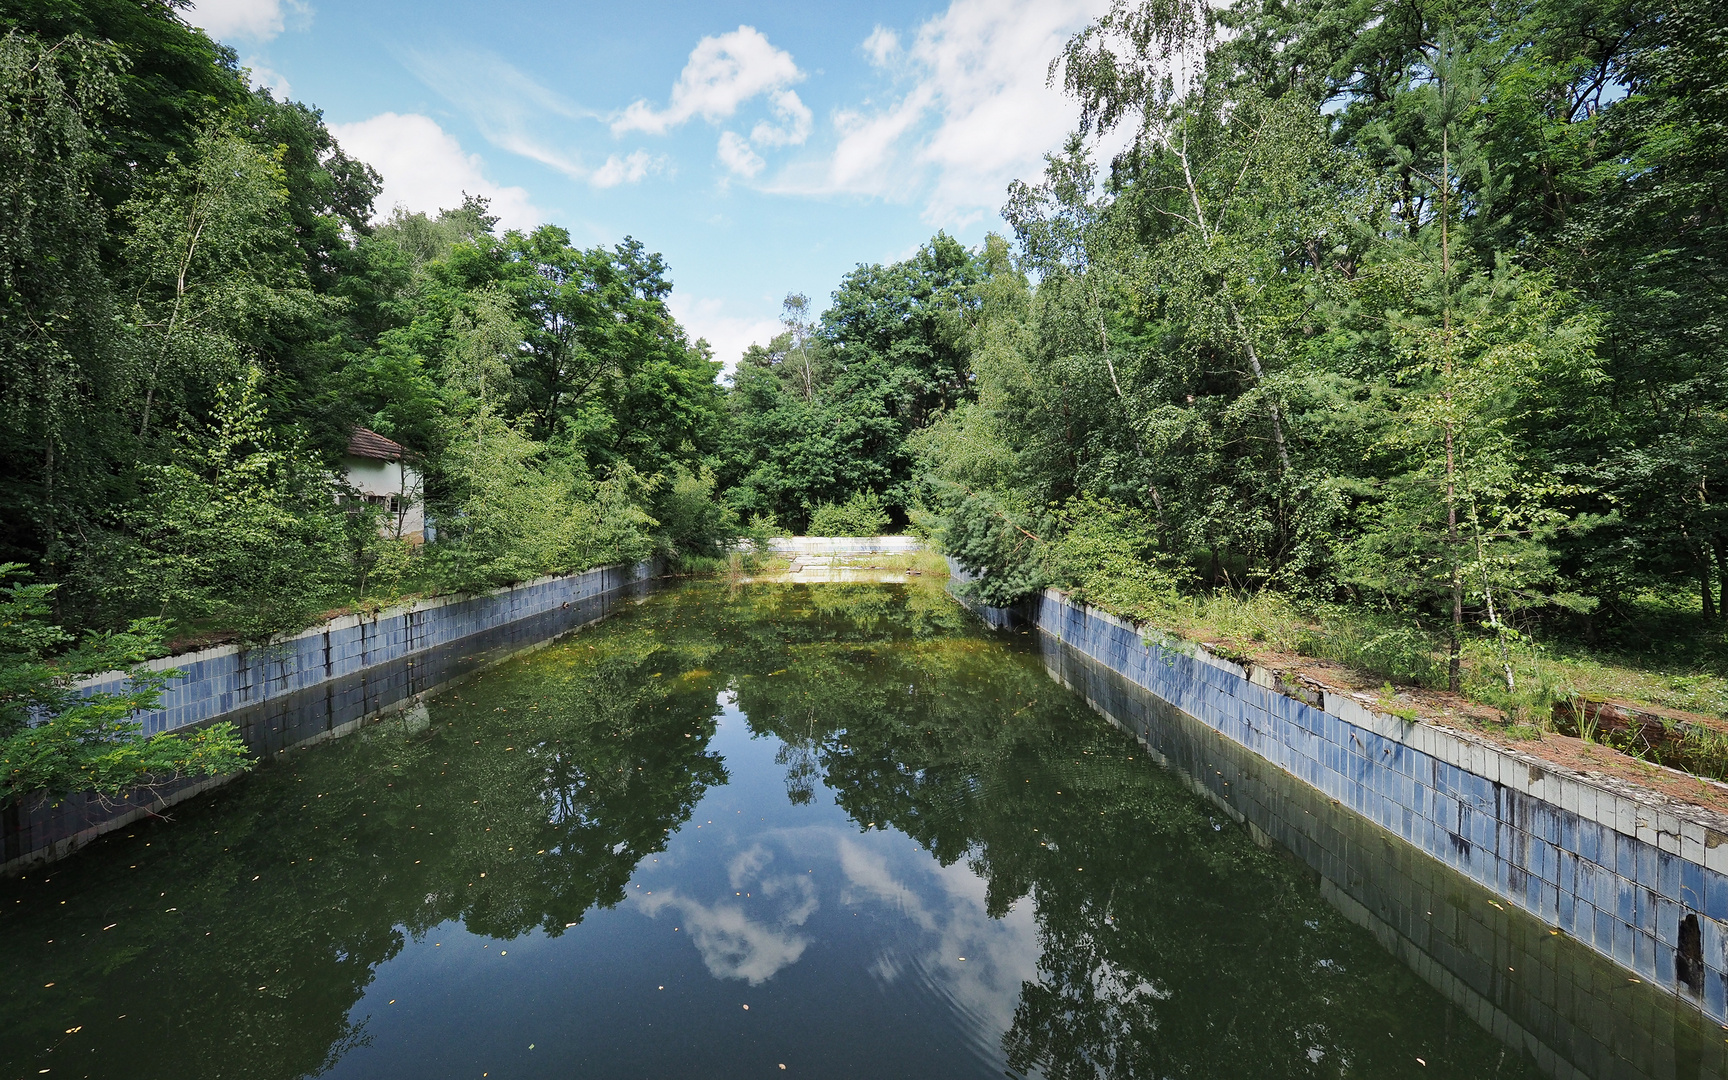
1715 895
1644 909
1663 969
1667 928
1566 874
1668 874
1625 855
1625 900
1620 945
1647 867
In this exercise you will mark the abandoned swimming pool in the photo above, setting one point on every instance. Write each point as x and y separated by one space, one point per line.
838 830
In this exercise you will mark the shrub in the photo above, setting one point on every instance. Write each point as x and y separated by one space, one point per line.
1107 553
693 523
521 510
55 740
239 530
996 540
861 515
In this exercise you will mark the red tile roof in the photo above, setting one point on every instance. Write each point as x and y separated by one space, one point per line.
369 444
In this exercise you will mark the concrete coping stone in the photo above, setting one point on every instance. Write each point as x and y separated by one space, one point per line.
844 545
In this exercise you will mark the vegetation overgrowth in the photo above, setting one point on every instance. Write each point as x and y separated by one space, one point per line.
1391 335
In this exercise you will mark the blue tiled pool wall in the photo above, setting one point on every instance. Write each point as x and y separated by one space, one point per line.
272 719
1571 1009
221 681
1619 894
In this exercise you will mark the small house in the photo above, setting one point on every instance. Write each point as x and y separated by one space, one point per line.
381 470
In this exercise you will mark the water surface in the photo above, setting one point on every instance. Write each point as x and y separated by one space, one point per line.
831 831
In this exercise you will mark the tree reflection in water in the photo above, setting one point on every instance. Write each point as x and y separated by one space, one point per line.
1169 944
525 799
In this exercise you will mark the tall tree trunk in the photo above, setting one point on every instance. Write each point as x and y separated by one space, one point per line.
1260 378
1454 652
1235 312
1722 576
1127 408
1698 547
1455 645
195 231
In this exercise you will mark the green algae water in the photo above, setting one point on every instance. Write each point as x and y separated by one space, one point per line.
830 831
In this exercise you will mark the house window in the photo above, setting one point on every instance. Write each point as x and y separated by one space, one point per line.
389 503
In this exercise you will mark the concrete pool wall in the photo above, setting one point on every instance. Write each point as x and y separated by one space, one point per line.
320 683
1573 1012
1635 876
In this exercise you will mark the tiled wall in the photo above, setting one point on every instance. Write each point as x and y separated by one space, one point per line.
220 680
1575 1013
1635 876
321 683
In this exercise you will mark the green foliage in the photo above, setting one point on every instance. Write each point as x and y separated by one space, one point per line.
694 522
212 265
55 303
824 411
1107 553
522 510
55 740
860 515
170 234
238 531
1419 352
992 537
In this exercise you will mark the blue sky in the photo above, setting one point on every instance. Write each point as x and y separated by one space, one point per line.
762 147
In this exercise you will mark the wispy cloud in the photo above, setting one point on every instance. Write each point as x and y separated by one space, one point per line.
734 152
626 169
794 125
515 112
972 110
882 45
722 73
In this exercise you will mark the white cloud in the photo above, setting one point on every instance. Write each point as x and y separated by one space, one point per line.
733 945
794 126
974 112
722 73
868 159
989 64
425 169
735 154
626 170
728 335
258 20
881 45
262 75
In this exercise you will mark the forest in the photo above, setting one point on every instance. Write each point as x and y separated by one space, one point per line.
1388 332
